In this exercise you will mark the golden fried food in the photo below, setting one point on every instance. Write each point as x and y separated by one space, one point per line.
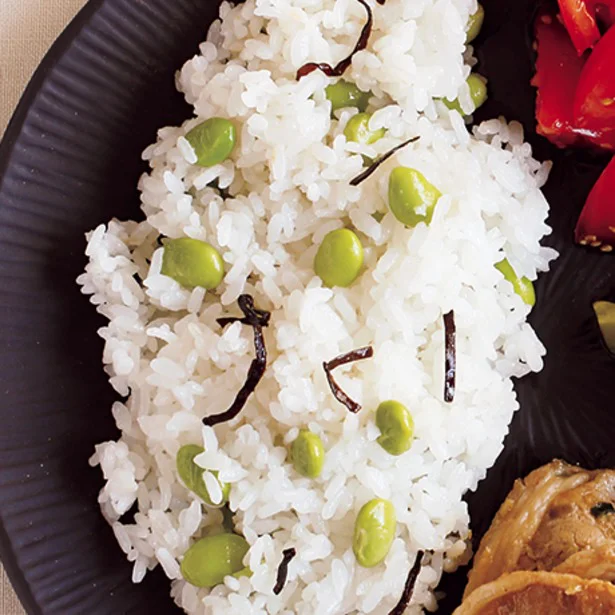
541 593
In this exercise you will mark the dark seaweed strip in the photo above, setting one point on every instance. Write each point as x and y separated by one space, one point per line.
381 1
287 556
349 357
223 192
257 319
602 508
340 68
367 352
406 595
450 357
372 167
252 316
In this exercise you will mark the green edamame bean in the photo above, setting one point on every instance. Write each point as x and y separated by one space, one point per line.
374 532
475 24
192 474
339 258
412 199
396 425
192 263
212 141
212 558
478 93
308 454
522 286
357 130
346 94
605 313
478 90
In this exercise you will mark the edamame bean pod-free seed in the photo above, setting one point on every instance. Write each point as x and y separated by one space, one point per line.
478 94
192 475
308 454
374 532
212 141
605 313
212 558
192 263
522 286
346 94
475 24
412 198
357 130
396 427
339 258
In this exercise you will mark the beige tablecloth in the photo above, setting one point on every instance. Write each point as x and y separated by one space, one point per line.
27 29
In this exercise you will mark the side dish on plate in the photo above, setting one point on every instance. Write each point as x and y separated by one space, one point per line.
550 548
317 324
575 78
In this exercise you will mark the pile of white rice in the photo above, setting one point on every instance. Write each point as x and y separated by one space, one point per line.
289 177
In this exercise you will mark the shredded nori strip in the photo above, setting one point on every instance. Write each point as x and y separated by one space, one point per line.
450 357
372 167
223 192
287 556
602 508
406 595
252 316
340 68
354 355
257 319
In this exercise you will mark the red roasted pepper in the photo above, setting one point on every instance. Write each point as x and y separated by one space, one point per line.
558 68
580 21
559 73
596 225
594 106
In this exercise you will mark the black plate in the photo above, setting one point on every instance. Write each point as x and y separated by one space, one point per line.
71 159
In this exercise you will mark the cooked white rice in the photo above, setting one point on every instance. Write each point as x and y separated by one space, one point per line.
290 177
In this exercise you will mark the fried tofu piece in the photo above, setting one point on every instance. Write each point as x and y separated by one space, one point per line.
591 564
541 593
555 513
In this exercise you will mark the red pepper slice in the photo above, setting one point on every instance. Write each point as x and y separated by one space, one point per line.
596 225
594 106
580 21
558 68
605 12
559 71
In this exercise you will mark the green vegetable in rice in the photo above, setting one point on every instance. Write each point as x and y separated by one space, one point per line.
522 286
346 94
308 454
357 130
478 94
412 198
213 141
605 313
475 24
212 558
339 258
396 426
192 475
192 263
374 532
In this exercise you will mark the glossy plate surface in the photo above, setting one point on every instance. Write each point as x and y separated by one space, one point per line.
71 159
